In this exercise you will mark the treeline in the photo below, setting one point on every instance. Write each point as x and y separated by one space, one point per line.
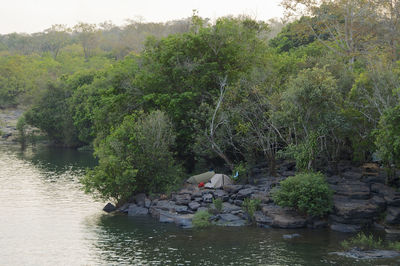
224 94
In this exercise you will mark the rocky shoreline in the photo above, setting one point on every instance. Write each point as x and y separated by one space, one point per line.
361 200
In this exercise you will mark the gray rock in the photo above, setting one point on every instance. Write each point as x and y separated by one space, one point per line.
221 194
232 188
124 208
238 202
194 205
109 207
244 193
229 208
140 199
181 209
147 203
284 218
198 199
228 217
181 220
182 199
352 189
262 219
393 215
135 210
291 236
165 205
208 198
354 174
352 209
368 254
345 228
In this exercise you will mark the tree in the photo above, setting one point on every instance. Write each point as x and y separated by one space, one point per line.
55 38
88 36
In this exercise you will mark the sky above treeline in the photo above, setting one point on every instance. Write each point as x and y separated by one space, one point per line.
31 16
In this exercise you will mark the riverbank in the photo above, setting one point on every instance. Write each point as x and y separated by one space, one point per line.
361 200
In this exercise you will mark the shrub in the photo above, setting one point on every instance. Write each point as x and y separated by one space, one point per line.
363 242
251 206
201 219
135 158
218 204
307 192
394 245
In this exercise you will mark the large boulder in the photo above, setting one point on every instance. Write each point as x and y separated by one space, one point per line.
221 194
140 199
352 189
228 219
184 221
352 211
194 205
208 198
135 210
284 217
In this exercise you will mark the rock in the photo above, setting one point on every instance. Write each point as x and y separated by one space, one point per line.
352 189
184 221
262 219
229 208
288 173
166 217
7 135
165 205
147 203
230 220
291 236
345 228
135 210
202 209
232 188
182 199
244 193
354 174
238 202
262 196
109 207
197 194
198 199
208 198
317 224
181 209
228 217
221 194
354 210
393 215
368 254
124 208
140 199
194 205
284 218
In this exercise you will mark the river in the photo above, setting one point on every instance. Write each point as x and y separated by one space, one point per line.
46 219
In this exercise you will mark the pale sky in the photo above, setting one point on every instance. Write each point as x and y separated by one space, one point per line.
36 15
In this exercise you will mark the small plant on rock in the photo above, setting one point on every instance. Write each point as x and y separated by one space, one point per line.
218 204
250 206
201 219
363 242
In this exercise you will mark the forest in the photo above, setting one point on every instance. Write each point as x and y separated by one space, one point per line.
159 101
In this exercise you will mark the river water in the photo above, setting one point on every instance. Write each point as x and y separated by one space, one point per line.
46 219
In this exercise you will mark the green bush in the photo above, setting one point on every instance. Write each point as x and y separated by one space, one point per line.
201 219
394 245
251 206
307 192
363 242
135 158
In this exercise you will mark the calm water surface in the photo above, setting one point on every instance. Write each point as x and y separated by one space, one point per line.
46 219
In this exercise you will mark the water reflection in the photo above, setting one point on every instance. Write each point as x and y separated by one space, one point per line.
46 219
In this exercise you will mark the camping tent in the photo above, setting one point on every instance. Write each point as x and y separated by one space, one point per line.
204 177
218 180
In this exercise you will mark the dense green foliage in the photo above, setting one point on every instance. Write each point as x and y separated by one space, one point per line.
309 193
135 158
234 96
